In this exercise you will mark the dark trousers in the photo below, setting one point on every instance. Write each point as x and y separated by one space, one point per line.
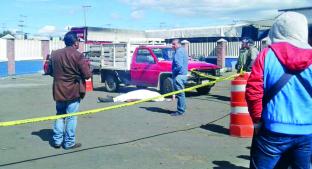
268 147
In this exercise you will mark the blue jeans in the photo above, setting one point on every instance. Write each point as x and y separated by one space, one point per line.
70 123
268 147
178 83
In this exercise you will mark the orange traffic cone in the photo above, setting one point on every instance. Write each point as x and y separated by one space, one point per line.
241 124
89 85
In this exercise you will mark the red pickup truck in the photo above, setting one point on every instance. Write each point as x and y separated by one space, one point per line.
145 66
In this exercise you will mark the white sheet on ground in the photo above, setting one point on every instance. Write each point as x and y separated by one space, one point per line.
138 95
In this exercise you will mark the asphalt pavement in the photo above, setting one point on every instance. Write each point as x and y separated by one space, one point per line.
142 136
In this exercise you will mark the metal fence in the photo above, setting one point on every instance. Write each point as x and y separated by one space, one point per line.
206 49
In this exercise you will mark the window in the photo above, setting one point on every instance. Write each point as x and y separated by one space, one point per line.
163 53
144 56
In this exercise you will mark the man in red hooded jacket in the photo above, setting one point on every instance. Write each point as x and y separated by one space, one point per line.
279 96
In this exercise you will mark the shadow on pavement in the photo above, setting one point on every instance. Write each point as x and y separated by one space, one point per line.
215 128
213 100
219 97
45 135
100 89
226 165
245 157
191 94
158 110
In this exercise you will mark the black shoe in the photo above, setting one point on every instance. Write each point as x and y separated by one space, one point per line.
107 99
56 146
77 145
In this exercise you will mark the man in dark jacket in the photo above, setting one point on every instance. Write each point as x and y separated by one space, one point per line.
69 71
247 54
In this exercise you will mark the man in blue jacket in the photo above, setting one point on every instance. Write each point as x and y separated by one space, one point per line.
179 74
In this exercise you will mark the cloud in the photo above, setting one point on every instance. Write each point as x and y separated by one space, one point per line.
14 30
137 14
115 16
48 29
216 9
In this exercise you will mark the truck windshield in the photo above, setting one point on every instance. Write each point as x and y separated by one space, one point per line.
163 53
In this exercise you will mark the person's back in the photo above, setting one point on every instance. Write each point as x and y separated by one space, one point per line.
289 112
69 71
278 94
180 62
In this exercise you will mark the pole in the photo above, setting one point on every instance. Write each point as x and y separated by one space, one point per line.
85 13
85 24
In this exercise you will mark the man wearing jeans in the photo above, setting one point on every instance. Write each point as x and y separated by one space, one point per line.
179 74
279 96
69 70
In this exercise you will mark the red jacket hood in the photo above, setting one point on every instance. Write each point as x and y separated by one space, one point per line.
293 58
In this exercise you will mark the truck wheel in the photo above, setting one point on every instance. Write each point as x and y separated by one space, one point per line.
167 86
111 83
204 90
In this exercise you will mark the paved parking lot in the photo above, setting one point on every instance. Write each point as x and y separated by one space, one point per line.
141 136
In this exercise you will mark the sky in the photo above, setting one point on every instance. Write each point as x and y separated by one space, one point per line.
54 17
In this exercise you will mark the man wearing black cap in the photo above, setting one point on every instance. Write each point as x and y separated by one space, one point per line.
247 55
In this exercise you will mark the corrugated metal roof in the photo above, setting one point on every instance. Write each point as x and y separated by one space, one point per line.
295 9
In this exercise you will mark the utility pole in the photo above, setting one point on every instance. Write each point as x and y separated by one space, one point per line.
3 26
162 25
22 24
85 24
85 13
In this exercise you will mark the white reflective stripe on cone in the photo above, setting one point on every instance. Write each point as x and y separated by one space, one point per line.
238 88
239 109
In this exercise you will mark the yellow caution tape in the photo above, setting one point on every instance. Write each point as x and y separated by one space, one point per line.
204 75
93 111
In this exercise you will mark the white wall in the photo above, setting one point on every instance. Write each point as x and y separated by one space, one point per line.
27 50
54 45
3 50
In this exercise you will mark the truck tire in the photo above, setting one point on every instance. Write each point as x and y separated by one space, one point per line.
167 86
111 83
204 90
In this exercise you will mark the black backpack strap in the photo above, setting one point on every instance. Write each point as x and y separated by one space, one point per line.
276 88
305 84
281 83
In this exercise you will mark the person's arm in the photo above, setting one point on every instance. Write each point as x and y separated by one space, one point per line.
254 88
84 68
49 62
178 61
240 62
253 55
